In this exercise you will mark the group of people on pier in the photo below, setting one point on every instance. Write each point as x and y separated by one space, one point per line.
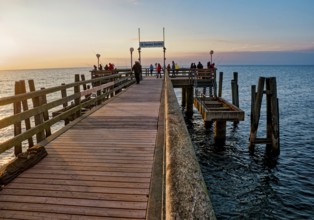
109 67
173 69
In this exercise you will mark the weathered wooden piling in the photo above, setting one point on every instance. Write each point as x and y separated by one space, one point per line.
183 100
235 89
189 101
272 116
220 84
235 92
220 132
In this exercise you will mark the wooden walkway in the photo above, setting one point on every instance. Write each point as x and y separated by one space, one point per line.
99 169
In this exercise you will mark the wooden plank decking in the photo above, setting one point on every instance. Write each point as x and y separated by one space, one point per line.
99 169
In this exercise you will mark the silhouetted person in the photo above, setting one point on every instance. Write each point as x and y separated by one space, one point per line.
158 70
173 68
137 68
199 65
151 68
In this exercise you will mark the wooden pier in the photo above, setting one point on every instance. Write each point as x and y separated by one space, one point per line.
124 151
101 168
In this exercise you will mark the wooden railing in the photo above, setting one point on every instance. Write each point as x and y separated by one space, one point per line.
47 111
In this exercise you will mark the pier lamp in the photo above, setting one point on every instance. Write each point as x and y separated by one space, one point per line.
98 55
211 56
131 51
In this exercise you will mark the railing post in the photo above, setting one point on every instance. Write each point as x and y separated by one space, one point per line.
39 117
64 95
43 101
18 125
25 108
77 101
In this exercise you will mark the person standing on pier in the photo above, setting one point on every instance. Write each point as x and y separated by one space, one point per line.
158 70
199 65
151 69
137 68
177 69
168 68
173 68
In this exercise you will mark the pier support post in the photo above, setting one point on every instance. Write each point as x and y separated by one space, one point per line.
220 133
272 149
183 101
272 116
215 83
235 92
255 114
190 100
220 84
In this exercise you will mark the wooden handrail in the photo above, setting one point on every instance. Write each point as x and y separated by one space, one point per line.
106 86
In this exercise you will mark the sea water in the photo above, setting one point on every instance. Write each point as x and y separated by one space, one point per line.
244 185
241 185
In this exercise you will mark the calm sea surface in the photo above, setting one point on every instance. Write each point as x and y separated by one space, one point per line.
242 186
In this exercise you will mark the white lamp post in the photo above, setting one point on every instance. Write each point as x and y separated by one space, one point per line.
98 55
211 56
131 51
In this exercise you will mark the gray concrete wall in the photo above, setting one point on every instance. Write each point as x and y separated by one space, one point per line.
186 193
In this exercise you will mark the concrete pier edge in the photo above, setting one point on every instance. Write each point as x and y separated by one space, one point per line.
187 196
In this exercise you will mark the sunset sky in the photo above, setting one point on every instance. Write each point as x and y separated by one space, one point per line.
69 33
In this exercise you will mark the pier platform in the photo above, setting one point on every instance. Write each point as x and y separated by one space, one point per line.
101 168
216 108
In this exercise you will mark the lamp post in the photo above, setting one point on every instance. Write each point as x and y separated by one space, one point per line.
211 56
139 55
131 51
98 55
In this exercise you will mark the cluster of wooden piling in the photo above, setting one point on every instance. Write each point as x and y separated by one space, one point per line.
272 114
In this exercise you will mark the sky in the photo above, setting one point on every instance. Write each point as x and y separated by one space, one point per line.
69 33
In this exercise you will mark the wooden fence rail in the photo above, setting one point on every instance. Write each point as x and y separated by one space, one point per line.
38 116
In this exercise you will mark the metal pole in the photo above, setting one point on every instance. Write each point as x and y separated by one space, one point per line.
164 50
131 51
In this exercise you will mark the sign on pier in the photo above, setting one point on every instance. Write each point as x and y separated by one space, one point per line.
151 44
